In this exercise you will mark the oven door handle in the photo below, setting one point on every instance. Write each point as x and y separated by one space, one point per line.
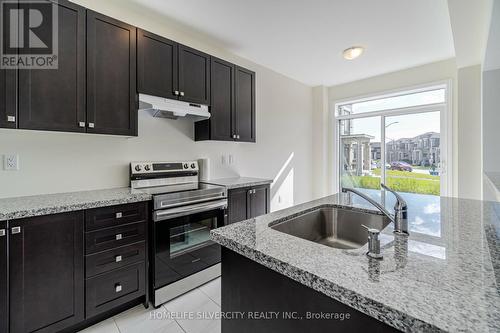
167 214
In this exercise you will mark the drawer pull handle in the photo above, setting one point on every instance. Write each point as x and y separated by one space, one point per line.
2 232
118 236
195 260
118 288
118 258
119 215
16 230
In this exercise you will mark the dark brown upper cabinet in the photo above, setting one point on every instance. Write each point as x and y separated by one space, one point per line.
46 269
244 92
219 126
233 105
171 70
111 76
8 100
194 75
54 99
157 70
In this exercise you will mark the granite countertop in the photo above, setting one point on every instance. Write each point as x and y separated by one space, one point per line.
20 207
238 182
444 277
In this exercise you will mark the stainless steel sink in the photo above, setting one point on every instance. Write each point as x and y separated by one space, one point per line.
334 227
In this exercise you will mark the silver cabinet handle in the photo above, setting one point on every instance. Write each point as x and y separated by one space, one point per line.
2 232
176 93
118 258
118 288
237 136
15 230
234 136
11 119
81 124
119 215
118 236
91 125
182 93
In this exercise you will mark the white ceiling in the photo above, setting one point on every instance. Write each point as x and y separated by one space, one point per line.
304 39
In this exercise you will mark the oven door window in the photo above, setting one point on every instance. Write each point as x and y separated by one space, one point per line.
192 235
183 246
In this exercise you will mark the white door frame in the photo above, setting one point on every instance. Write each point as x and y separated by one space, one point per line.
446 124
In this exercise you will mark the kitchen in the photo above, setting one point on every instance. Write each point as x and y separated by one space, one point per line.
155 124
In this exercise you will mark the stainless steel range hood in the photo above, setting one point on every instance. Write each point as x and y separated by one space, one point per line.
168 108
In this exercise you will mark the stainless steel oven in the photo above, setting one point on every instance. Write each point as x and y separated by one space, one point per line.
182 256
182 244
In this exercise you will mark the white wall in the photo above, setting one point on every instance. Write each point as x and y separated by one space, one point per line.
53 162
429 73
470 170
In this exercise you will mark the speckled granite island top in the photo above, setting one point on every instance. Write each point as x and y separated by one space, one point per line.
20 207
443 278
238 182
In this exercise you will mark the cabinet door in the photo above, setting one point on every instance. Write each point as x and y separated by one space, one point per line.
222 100
8 94
46 272
111 76
238 205
4 287
245 104
259 203
156 65
54 99
194 75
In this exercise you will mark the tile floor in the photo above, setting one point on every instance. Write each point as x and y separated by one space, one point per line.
192 312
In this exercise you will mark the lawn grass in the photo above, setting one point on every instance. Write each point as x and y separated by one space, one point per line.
409 185
405 174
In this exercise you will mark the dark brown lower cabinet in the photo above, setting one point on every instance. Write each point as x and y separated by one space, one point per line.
259 203
248 202
4 287
237 205
109 290
46 272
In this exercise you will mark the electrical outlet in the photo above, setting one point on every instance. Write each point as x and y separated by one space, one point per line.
11 162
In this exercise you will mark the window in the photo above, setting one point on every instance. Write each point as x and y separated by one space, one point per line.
395 139
428 97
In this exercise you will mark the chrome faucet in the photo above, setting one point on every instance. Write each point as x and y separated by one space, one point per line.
400 217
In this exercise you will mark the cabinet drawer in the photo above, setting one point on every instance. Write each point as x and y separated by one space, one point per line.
109 238
109 290
105 217
116 258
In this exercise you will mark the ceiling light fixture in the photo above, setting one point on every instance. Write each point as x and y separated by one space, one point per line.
353 52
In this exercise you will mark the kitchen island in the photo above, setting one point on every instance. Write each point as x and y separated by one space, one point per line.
440 281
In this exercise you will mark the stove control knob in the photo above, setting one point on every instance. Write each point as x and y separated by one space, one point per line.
147 167
186 166
192 166
138 167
